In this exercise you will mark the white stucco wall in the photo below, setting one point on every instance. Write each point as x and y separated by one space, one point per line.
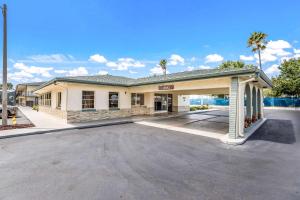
74 100
183 100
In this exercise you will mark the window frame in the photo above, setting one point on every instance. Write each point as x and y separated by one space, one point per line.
87 100
109 100
58 100
46 99
135 102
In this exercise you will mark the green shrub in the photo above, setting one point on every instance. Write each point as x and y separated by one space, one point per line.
201 107
35 107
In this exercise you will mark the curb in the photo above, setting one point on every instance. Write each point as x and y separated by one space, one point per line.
241 141
66 129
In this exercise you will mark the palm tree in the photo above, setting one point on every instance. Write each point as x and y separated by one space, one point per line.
163 65
258 42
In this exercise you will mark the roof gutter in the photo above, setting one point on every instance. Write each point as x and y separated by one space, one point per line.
208 76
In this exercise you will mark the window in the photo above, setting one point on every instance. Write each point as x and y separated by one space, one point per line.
137 99
88 99
45 99
113 100
59 100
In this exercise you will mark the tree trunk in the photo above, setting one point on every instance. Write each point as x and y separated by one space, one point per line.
259 58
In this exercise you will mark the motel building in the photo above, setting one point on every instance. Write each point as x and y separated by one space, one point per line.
90 98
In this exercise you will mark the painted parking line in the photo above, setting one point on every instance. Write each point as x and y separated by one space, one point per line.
184 130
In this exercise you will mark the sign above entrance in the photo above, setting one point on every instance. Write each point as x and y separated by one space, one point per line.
166 87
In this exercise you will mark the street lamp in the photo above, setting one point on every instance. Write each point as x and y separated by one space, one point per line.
4 74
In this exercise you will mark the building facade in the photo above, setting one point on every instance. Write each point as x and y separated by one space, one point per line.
89 98
25 95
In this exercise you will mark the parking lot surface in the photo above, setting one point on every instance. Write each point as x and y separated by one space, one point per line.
140 162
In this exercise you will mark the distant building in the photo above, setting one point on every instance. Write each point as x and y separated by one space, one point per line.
25 95
11 97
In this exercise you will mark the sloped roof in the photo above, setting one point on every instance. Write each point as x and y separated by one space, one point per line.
33 83
174 77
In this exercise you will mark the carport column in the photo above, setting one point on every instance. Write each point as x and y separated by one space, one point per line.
236 108
241 109
248 101
261 103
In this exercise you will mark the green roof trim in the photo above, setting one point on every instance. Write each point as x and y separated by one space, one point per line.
174 77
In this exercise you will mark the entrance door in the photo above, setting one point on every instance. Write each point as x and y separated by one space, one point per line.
161 102
170 103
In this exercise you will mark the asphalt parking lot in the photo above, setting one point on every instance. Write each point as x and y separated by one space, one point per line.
132 161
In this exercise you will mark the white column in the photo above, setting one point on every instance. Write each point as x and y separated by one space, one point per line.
241 109
236 109
261 103
53 99
254 103
251 99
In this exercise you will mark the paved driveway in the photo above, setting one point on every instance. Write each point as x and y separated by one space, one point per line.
140 162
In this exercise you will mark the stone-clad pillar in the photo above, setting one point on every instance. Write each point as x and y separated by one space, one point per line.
233 108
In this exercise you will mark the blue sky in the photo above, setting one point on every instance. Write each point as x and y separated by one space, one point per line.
54 38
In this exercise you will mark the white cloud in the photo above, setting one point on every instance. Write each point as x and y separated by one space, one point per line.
111 64
204 67
189 68
265 57
157 71
176 59
297 51
98 58
26 73
52 58
124 64
297 56
24 69
279 44
246 58
102 72
213 58
274 50
60 71
193 59
272 70
132 72
80 71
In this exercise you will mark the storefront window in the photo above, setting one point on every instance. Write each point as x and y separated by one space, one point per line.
137 99
88 99
113 100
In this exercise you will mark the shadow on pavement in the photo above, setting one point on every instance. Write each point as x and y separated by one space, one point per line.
275 130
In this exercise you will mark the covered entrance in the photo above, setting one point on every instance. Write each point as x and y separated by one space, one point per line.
240 119
163 103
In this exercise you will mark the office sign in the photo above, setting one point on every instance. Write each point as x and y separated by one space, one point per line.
166 87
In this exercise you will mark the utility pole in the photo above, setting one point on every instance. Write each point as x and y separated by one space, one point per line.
4 74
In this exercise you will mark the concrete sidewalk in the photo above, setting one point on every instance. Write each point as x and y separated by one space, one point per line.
42 122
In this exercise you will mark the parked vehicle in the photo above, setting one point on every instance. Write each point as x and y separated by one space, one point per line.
11 111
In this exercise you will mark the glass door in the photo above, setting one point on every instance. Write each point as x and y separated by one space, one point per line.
170 103
161 102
